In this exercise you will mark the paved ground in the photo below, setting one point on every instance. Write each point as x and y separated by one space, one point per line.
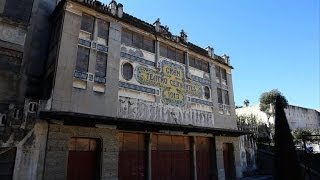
260 177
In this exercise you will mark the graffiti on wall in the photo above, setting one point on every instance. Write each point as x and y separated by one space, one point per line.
142 110
171 79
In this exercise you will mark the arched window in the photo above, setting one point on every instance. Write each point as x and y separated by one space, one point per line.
206 92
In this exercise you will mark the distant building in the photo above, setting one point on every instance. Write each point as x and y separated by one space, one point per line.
109 96
298 117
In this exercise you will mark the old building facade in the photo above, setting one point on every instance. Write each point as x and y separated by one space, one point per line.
125 99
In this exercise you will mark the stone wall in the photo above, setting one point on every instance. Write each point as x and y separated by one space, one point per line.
30 155
57 150
219 152
298 117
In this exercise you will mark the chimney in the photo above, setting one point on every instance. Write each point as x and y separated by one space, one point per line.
156 25
184 36
120 10
113 7
210 51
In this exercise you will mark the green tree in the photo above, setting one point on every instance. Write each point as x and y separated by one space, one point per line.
267 102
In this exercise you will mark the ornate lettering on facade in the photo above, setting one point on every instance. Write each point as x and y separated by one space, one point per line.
171 79
157 112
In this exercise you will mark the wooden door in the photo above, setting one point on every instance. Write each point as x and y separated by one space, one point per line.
170 157
228 159
206 159
83 159
132 153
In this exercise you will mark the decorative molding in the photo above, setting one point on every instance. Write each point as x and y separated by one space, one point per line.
157 112
137 59
200 101
139 88
201 80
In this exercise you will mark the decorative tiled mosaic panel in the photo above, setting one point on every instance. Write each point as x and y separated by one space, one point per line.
200 80
101 80
93 45
138 88
137 59
81 75
199 101
85 42
102 48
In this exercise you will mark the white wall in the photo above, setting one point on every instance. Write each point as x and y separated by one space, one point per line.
298 117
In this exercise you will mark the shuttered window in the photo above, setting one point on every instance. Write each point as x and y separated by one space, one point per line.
199 64
103 29
101 64
219 93
82 62
87 23
172 53
137 40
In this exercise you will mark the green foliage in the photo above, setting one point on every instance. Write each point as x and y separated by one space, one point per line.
252 124
299 133
268 100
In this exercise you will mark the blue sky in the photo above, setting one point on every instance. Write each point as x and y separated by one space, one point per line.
273 44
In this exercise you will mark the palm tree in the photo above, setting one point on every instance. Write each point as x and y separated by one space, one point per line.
246 102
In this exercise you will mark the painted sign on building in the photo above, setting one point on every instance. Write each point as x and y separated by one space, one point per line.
171 79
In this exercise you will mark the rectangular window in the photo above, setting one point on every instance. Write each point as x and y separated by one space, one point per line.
171 53
198 64
82 59
163 50
101 64
219 93
137 40
148 44
224 74
103 29
191 61
87 23
126 37
205 66
180 56
218 72
226 97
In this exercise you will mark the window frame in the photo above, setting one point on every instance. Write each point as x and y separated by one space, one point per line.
82 26
77 59
131 38
122 71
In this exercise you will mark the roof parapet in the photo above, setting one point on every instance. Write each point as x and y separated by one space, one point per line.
226 58
210 51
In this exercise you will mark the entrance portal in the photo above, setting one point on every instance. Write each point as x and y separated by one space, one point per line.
83 159
228 159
